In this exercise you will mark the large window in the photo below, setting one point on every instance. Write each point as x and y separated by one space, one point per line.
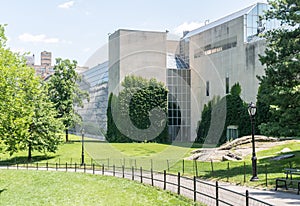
179 104
253 25
95 82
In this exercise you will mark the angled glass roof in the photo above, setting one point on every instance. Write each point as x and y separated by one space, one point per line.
175 62
221 21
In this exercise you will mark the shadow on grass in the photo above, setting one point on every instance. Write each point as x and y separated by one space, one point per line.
2 190
24 160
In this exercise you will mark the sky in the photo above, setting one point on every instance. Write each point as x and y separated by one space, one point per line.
76 29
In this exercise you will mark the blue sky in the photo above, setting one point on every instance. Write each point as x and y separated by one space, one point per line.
76 29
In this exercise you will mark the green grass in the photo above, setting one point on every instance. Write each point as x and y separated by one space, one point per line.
22 187
170 157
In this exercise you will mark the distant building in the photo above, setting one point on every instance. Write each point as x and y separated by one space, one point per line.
45 69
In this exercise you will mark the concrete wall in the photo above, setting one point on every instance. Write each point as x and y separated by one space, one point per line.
139 53
114 62
238 62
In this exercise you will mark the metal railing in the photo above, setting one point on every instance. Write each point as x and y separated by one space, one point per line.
193 188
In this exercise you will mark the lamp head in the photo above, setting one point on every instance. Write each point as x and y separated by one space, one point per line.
252 109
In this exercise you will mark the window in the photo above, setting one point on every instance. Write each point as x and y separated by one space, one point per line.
227 84
207 88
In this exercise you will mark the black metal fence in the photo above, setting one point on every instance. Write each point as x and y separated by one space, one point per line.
194 188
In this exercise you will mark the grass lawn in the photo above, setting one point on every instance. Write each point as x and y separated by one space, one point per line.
170 158
22 187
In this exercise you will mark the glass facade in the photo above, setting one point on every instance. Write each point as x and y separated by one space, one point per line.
179 104
95 82
254 26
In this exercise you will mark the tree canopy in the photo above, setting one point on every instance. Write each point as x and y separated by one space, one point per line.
279 93
139 112
64 92
235 114
26 116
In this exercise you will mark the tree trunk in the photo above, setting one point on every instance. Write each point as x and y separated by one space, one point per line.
67 135
29 152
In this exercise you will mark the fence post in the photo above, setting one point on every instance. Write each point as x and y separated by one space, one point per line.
152 183
244 172
178 190
196 167
195 189
93 168
37 165
123 168
212 166
66 166
47 165
102 169
227 171
141 169
168 165
75 166
266 175
217 194
114 172
182 166
84 168
132 172
151 164
165 178
56 166
247 198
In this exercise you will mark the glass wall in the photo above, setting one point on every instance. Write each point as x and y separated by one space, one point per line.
95 82
179 104
254 26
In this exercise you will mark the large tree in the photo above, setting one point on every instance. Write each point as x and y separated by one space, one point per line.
22 104
64 92
279 92
139 113
44 134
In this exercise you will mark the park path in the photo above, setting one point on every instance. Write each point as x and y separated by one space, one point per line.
228 194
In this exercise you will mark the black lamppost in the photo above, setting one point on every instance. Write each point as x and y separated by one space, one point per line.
82 146
252 112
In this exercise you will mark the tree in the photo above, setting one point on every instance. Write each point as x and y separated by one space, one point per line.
280 86
45 129
236 114
15 111
139 113
25 113
64 92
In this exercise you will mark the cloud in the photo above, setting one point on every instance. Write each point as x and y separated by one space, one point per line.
187 26
19 50
66 5
40 38
86 49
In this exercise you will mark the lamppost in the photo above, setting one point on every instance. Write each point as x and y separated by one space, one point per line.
252 112
82 146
